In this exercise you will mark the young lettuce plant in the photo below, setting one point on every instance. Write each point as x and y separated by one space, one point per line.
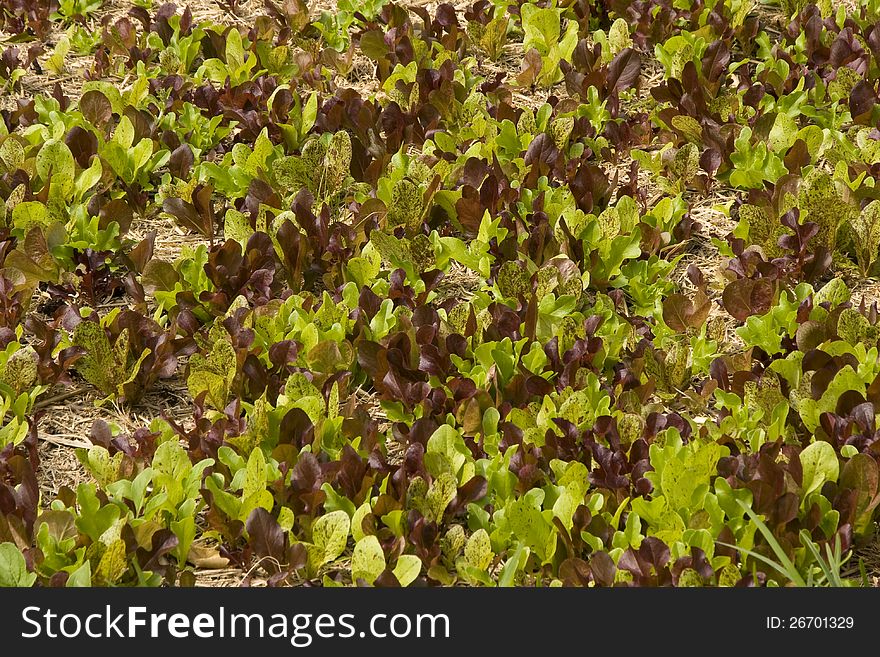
545 44
487 28
238 65
125 353
19 390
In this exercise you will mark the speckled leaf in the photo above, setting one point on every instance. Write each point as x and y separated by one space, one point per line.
453 542
478 550
422 252
494 35
97 365
821 202
330 356
30 214
330 313
55 159
255 473
868 147
526 123
236 226
675 365
258 158
629 427
457 317
739 16
213 373
416 494
513 280
681 56
441 492
570 280
618 36
729 576
688 127
861 474
689 578
541 27
547 279
119 349
363 512
764 394
12 153
407 569
20 372
390 248
686 162
763 230
330 536
609 222
338 158
854 327
560 129
783 133
298 386
260 500
368 560
529 525
866 230
293 173
845 80
113 564
418 170
406 204
570 331
313 154
16 196
835 292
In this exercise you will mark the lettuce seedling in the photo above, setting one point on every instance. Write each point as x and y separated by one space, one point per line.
237 66
489 34
543 36
129 160
754 163
125 353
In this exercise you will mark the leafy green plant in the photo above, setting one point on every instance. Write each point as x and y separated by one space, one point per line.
13 569
237 64
754 163
411 322
130 160
77 9
55 62
489 32
543 35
